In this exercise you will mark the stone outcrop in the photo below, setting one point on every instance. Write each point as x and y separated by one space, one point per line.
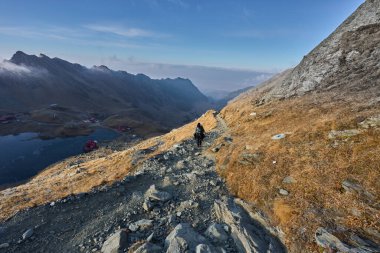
338 60
249 236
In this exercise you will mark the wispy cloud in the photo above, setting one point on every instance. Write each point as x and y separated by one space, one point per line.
7 67
81 35
121 31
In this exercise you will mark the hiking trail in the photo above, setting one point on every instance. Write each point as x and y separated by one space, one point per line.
174 202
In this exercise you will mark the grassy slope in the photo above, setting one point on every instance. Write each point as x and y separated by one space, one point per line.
317 163
82 173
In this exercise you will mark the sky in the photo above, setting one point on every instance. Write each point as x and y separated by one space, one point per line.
218 44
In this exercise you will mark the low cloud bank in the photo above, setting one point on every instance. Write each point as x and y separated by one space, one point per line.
9 68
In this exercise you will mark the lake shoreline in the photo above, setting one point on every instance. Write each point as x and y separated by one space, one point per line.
25 155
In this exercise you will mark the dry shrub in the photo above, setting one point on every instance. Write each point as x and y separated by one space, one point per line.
282 211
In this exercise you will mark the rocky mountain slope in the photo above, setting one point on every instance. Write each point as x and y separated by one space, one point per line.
346 60
306 143
32 84
297 162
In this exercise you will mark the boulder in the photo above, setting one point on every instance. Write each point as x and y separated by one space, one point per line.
116 243
216 232
183 237
177 245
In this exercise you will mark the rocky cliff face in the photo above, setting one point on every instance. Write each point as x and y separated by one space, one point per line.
351 52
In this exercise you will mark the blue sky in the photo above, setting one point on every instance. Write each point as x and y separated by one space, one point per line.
219 44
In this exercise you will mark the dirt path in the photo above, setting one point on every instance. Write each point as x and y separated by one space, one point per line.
222 126
188 191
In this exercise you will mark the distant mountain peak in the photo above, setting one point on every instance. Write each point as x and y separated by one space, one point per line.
43 56
19 56
102 68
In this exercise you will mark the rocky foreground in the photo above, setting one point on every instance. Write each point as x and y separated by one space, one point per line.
174 202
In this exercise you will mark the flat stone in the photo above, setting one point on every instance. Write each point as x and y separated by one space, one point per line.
278 136
283 192
4 245
27 234
351 186
116 243
289 180
215 231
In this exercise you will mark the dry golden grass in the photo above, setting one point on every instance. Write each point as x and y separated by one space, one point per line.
317 163
99 168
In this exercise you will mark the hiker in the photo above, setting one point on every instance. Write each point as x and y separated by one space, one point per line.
199 134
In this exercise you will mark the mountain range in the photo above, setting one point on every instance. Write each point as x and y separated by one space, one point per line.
32 84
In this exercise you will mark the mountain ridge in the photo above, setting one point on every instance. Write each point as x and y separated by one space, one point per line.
39 81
